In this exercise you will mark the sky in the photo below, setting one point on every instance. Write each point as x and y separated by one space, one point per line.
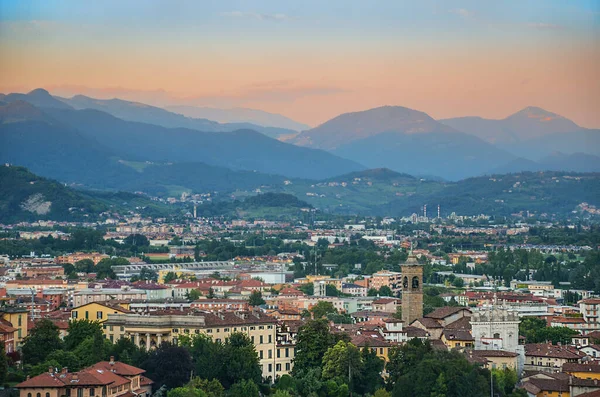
312 60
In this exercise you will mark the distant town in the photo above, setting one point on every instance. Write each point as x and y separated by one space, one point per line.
512 296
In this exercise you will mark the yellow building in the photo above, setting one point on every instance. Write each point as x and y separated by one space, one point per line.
96 311
18 318
582 371
150 330
381 347
457 338
494 359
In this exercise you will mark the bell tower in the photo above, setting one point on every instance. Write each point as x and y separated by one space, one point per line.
412 290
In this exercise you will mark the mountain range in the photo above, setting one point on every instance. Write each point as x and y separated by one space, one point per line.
239 115
123 145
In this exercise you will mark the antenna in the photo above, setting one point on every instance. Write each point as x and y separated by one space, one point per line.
439 211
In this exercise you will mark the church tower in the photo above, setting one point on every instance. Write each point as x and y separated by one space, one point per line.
412 290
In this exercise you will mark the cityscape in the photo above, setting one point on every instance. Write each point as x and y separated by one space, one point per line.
231 199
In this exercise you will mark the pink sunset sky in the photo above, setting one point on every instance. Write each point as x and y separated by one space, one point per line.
312 61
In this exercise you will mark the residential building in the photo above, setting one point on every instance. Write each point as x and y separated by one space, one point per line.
96 311
151 329
106 379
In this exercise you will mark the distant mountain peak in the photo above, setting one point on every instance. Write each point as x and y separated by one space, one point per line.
354 126
534 112
39 92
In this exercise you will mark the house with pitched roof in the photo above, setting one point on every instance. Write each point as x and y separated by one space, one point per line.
104 379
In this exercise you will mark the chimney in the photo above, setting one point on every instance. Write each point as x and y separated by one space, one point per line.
64 370
50 370
112 360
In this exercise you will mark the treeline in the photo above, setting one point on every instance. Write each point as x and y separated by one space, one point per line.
81 239
505 265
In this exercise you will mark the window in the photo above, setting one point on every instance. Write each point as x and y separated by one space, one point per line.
47 394
278 353
270 353
110 328
381 350
87 315
68 392
287 351
38 395
278 367
111 339
92 392
287 366
122 328
260 354
270 339
225 329
270 367
99 315
209 331
252 337
28 394
74 314
261 339
261 327
270 327
496 336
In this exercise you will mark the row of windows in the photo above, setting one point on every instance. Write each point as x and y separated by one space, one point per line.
235 329
278 367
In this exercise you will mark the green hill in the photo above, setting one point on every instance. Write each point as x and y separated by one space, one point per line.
28 197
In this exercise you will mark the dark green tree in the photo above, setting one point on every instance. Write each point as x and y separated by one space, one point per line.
385 291
169 365
3 364
241 360
256 299
244 388
313 341
80 330
42 340
322 309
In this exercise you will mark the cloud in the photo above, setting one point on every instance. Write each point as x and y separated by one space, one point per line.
256 15
463 12
544 26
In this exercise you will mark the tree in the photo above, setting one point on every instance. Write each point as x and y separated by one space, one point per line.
92 349
369 379
170 276
282 393
186 392
42 340
104 268
535 331
211 293
80 330
213 388
137 240
385 291
372 292
313 340
207 356
241 360
381 393
3 364
322 308
244 388
330 290
170 365
256 299
459 282
193 295
84 266
398 313
148 275
342 361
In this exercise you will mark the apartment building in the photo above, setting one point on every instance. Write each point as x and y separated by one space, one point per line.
149 330
386 278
